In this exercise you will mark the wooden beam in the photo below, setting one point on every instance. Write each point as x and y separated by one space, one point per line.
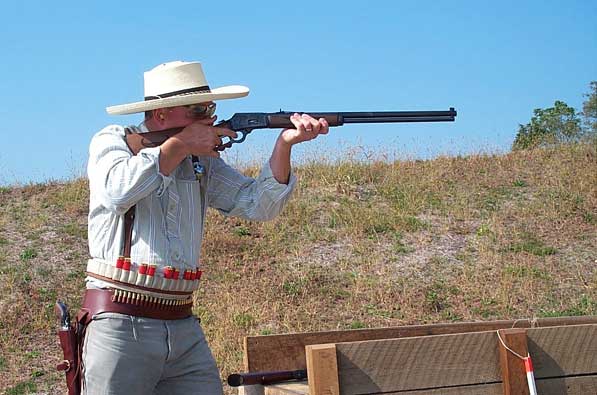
322 369
443 361
418 363
481 389
514 378
287 351
565 361
563 351
581 385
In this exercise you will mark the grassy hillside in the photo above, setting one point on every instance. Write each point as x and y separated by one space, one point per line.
360 245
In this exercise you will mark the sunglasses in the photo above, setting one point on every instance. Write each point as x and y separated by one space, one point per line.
202 110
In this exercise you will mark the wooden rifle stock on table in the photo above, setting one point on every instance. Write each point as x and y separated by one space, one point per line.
245 123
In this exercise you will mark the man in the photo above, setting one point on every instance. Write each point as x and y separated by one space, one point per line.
146 220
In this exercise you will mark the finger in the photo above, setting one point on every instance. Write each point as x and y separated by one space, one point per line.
306 120
306 123
307 116
296 121
223 146
217 141
315 126
220 132
325 126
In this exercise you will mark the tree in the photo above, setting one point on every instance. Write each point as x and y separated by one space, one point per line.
548 127
589 109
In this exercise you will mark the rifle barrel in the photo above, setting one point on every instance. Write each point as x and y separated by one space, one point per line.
399 116
375 119
265 378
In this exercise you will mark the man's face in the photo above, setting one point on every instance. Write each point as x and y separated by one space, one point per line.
182 116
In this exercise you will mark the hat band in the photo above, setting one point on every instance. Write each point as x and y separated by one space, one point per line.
201 89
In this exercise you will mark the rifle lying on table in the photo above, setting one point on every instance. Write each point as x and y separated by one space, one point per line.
245 123
265 378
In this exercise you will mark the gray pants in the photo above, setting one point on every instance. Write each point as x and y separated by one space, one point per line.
124 354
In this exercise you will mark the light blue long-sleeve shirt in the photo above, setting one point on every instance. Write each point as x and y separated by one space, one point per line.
170 210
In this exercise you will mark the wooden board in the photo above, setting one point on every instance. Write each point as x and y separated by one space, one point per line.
563 351
416 363
322 369
570 386
482 389
302 388
287 352
458 364
562 386
434 362
514 377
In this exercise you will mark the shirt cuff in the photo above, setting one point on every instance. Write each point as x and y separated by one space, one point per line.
267 176
154 154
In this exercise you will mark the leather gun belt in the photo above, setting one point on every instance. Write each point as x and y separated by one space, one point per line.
96 301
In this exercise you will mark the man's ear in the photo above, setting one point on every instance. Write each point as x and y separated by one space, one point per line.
159 115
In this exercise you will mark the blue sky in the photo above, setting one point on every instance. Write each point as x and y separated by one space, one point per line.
64 62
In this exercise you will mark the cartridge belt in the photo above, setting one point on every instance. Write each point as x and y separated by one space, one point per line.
96 301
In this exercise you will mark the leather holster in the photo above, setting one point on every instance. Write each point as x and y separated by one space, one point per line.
71 342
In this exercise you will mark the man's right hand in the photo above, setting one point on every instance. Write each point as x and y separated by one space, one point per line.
201 138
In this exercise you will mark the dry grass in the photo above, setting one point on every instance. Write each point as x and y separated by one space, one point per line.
360 245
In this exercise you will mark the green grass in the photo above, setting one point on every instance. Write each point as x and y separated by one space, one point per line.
26 387
76 230
28 254
533 246
587 305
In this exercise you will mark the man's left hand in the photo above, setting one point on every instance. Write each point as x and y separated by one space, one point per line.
306 128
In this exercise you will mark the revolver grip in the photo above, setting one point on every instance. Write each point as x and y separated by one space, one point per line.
62 314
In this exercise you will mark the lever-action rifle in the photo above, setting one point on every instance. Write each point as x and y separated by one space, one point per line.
245 123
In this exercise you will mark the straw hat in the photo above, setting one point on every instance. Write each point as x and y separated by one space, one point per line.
177 84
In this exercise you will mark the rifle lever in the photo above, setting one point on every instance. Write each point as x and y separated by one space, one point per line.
230 141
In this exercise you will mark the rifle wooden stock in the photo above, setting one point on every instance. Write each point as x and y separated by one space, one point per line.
138 141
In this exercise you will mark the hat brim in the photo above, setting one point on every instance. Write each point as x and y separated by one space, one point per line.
223 93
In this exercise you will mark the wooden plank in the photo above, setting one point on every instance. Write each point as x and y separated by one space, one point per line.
481 389
287 352
460 359
417 363
322 369
513 372
581 385
563 351
556 352
298 388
